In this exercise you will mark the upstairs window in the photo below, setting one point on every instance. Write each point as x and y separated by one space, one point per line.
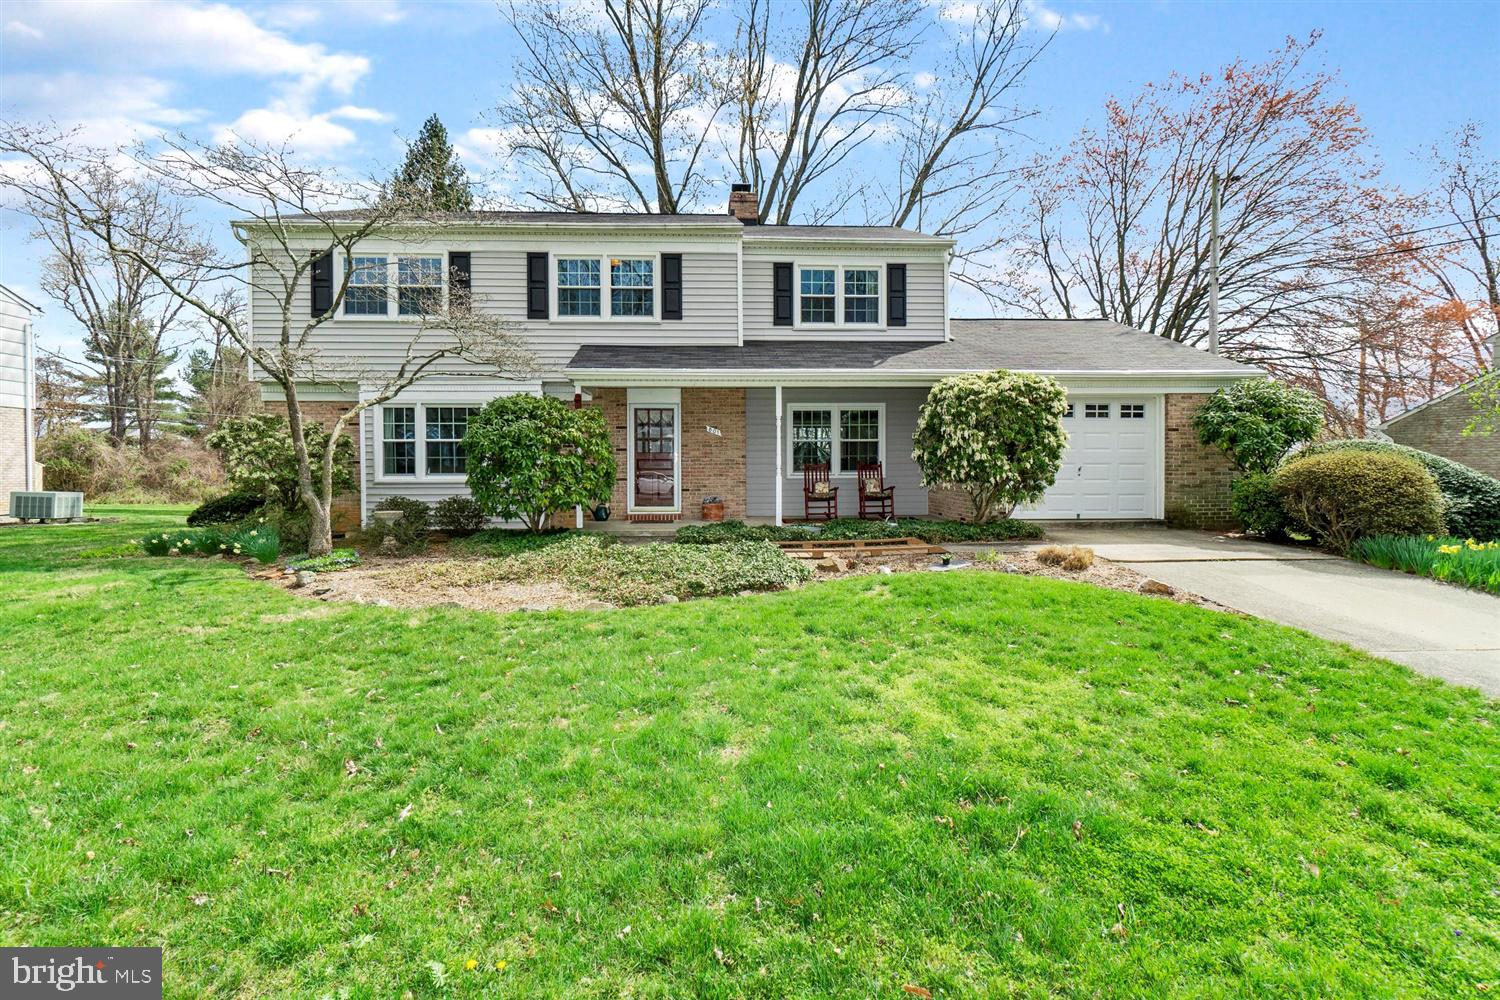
419 285
368 280
606 288
417 281
577 286
632 286
830 295
819 304
861 295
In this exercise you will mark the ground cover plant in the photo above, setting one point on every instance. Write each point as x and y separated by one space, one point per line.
971 783
937 532
336 560
1464 561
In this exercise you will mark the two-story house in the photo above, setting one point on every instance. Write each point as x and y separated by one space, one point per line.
727 355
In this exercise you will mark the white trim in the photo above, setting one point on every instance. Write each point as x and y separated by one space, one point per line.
1144 382
834 409
631 405
838 268
606 285
779 456
421 475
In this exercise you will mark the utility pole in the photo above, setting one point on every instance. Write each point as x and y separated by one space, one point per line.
1213 268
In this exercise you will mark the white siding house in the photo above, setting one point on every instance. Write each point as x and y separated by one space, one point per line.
18 469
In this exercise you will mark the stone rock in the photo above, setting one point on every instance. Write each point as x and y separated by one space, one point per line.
301 579
1155 587
669 599
388 545
886 571
827 564
321 591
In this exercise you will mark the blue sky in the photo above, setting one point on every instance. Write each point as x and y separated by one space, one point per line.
348 78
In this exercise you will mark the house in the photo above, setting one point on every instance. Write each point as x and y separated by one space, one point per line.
18 469
1438 425
727 354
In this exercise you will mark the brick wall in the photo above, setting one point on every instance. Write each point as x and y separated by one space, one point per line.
346 511
12 454
952 505
1439 429
612 402
713 465
1197 476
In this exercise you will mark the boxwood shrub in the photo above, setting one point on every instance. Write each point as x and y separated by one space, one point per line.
227 509
1343 496
1258 506
1471 500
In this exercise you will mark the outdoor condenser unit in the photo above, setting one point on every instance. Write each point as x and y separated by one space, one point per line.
48 506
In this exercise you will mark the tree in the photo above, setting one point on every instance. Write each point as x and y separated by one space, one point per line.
259 457
996 436
530 456
60 396
1257 421
1117 226
431 170
286 227
219 375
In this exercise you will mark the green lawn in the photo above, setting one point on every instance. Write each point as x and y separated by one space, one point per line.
977 784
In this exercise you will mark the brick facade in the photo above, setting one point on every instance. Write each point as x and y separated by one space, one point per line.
951 505
1438 428
12 454
346 506
1197 476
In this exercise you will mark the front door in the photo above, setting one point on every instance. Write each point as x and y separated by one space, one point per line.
655 459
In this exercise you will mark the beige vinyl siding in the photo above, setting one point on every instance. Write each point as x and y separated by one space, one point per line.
15 322
901 406
926 278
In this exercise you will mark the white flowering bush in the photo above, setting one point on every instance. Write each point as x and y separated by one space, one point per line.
996 436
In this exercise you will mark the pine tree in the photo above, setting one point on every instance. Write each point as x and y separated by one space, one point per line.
431 169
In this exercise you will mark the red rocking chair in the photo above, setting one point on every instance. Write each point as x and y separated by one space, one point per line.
820 498
877 501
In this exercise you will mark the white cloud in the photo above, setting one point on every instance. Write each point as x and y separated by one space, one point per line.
309 134
924 79
300 15
109 109
1038 15
20 29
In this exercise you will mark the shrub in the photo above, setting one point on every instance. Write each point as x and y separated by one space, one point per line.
260 542
1344 496
458 515
1257 421
226 509
509 541
1258 506
1466 562
1471 500
409 531
719 532
996 436
1073 558
175 470
529 456
839 529
259 457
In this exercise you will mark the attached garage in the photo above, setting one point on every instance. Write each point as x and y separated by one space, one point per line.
1112 468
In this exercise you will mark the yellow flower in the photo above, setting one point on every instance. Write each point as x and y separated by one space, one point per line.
500 965
471 965
1448 550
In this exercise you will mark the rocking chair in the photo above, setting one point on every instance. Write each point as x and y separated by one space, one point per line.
820 498
877 501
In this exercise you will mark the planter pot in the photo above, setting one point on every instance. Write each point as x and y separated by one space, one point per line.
601 512
713 512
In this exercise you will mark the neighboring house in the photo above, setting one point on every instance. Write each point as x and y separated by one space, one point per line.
1438 425
18 469
726 354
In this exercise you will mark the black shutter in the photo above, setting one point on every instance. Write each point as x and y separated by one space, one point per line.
322 284
895 295
782 294
671 286
458 270
536 286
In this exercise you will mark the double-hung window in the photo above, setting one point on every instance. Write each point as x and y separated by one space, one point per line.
438 431
605 287
417 280
446 426
842 437
399 440
830 295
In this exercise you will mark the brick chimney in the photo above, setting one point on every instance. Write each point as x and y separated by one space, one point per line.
743 204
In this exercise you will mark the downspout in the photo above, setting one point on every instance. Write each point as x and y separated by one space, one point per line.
28 400
780 450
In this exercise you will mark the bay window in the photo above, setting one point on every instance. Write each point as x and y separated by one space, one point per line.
830 295
840 436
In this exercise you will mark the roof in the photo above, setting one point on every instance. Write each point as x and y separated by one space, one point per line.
1457 390
1075 347
886 234
19 299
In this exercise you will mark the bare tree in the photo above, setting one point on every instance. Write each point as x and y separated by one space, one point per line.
219 374
1466 266
61 400
289 220
1117 226
125 310
613 111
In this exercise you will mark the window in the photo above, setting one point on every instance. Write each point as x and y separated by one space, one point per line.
818 291
445 430
1133 411
366 294
840 437
631 287
577 286
812 438
862 295
1068 412
399 440
419 285
1095 411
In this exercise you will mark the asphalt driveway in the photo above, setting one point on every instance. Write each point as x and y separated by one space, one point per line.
1431 627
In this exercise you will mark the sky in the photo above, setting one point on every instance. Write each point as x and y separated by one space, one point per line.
351 80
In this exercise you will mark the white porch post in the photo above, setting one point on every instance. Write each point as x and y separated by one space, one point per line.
780 450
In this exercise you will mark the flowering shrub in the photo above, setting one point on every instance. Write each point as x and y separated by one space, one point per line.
259 457
996 436
1466 562
258 541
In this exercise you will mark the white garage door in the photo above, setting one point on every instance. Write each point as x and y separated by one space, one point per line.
1110 468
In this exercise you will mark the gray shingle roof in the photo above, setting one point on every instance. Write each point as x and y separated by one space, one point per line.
1079 346
886 234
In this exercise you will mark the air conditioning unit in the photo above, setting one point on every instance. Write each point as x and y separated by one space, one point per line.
48 506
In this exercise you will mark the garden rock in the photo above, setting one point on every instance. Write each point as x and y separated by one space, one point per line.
301 579
670 599
1156 587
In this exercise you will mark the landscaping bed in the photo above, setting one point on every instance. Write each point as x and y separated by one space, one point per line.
1461 561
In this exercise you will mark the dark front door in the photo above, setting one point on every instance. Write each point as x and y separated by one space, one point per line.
655 436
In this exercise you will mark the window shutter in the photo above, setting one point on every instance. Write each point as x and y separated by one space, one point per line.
322 284
536 286
458 270
895 295
671 286
782 294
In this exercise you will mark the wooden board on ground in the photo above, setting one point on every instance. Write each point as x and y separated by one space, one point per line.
859 548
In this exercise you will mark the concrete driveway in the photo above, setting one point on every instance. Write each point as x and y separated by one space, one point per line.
1431 627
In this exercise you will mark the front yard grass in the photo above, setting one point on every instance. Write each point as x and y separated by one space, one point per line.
967 782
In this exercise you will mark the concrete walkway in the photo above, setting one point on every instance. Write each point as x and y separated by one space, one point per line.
1431 627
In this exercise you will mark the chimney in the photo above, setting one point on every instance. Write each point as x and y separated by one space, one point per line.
743 204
